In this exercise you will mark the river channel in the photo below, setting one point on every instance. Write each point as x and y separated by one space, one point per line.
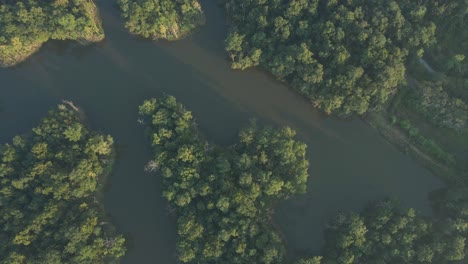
350 164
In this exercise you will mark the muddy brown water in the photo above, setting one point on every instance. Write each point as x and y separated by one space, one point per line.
350 164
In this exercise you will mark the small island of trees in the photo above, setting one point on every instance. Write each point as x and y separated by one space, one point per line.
224 197
26 25
49 181
162 19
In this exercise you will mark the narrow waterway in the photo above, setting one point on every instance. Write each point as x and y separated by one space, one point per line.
350 163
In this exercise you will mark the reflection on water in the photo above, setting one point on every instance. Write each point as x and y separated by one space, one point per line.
350 163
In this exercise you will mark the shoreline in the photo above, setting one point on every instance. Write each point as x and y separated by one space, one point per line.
182 36
397 138
10 59
23 56
103 180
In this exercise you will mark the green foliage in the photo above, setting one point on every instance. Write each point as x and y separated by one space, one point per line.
432 100
387 233
313 260
450 54
452 204
166 19
223 197
345 56
428 145
48 184
26 24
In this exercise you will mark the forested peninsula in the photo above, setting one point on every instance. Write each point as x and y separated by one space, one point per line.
49 183
223 197
345 56
162 19
26 24
385 232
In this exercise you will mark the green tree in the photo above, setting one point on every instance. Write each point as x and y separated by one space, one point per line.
161 19
48 185
385 232
345 56
26 24
223 196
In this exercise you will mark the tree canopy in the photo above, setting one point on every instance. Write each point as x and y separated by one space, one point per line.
387 233
162 19
26 24
223 196
345 56
49 179
450 55
451 204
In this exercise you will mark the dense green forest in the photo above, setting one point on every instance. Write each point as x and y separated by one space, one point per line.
385 232
26 24
223 197
162 19
439 87
404 60
49 179
428 117
388 233
450 54
345 56
441 94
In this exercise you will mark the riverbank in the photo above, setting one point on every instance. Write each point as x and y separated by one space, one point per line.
11 55
18 47
347 157
408 123
382 122
187 29
173 22
103 179
187 32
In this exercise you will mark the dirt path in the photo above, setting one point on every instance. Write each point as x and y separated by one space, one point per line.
426 65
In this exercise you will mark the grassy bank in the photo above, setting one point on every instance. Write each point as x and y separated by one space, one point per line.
427 120
419 147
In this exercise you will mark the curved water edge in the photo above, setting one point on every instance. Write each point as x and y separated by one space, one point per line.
350 163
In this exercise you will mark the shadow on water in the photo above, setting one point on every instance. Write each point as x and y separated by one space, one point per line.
350 163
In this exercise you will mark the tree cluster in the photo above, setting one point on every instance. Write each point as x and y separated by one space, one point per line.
48 185
162 19
451 52
26 24
432 100
223 196
386 233
345 56
451 204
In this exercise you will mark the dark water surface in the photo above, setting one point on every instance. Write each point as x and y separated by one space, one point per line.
350 163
